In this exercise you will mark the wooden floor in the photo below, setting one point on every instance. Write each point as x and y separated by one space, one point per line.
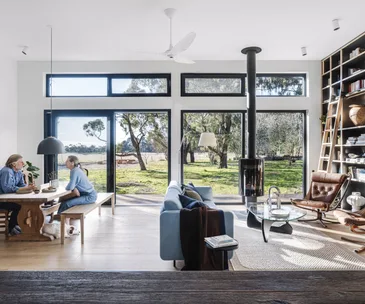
183 287
127 241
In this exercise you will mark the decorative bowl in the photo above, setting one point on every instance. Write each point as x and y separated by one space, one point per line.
280 213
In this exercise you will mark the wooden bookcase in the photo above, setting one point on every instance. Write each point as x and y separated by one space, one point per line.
345 68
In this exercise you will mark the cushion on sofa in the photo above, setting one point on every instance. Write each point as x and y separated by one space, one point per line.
191 191
193 194
187 200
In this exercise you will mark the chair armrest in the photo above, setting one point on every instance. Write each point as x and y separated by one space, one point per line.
205 192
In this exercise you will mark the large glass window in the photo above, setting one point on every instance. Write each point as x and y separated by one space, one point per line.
280 141
141 85
214 166
142 152
281 85
212 85
76 86
86 138
234 85
109 85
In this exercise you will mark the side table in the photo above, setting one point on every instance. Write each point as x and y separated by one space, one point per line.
224 251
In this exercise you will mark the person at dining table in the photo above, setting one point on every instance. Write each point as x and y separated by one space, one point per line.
11 180
83 191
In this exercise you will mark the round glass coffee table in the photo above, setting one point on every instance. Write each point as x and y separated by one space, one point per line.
262 212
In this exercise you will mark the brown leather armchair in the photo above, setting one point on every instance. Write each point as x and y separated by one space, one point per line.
324 194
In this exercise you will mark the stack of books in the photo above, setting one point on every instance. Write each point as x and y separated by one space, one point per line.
356 52
351 141
361 140
221 241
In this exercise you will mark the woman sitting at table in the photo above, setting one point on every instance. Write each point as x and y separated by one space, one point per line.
11 180
80 186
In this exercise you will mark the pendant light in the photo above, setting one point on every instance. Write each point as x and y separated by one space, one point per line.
51 145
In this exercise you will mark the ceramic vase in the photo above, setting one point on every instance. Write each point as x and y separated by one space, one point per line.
356 201
357 114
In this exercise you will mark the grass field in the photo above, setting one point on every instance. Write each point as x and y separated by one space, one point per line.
224 181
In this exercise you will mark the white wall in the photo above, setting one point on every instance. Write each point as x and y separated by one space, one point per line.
8 109
32 101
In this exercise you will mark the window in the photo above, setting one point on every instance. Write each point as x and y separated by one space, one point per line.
141 85
281 85
212 85
108 85
65 85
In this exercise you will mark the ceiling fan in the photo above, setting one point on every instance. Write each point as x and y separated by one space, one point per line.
173 52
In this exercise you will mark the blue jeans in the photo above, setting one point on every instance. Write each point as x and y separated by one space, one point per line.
84 198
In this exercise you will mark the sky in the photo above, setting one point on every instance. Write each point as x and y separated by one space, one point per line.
70 131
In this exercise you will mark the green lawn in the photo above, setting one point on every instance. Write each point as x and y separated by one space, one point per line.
224 181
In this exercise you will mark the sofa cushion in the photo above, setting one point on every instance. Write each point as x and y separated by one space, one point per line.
193 194
187 200
191 191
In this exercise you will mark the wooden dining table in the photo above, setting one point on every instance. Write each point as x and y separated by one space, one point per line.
32 215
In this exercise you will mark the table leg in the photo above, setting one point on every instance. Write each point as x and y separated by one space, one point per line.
31 221
265 227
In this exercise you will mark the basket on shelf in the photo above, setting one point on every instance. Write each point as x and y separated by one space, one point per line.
357 114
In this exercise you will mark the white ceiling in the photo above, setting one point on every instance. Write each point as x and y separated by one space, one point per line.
128 30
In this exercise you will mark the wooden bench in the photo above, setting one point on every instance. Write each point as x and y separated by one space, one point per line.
79 212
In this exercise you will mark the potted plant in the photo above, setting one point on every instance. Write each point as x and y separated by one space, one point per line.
323 119
32 173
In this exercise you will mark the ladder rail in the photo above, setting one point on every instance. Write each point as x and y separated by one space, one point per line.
330 132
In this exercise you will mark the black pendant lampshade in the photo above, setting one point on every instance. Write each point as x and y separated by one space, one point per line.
50 146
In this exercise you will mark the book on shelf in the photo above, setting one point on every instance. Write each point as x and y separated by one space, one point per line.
220 241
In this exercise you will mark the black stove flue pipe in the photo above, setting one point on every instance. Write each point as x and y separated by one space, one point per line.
251 169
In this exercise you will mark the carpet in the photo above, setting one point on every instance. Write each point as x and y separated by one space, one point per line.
305 249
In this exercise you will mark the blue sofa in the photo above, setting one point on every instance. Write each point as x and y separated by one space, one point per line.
170 247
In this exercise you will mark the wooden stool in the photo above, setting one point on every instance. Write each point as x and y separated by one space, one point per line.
4 222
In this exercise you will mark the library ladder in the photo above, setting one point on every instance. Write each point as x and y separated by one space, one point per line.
329 136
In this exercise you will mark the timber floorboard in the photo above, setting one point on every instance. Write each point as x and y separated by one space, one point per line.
183 287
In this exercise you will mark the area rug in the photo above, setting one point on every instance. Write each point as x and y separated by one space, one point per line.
305 249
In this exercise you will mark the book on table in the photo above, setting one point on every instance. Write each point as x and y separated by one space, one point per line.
220 241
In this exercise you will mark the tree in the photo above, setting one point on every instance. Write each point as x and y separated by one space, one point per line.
158 136
95 128
134 125
276 85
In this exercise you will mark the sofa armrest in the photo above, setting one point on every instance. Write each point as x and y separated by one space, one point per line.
205 192
170 245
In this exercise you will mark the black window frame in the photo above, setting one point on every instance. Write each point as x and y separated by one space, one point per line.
285 75
109 78
184 76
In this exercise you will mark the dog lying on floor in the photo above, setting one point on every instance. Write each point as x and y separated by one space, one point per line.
53 230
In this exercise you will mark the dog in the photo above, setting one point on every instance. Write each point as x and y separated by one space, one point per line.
53 230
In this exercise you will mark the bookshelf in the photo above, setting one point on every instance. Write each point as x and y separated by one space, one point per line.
345 68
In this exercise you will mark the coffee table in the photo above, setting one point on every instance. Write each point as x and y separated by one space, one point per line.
262 212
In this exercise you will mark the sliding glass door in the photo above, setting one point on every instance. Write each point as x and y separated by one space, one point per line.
281 142
86 138
214 166
142 152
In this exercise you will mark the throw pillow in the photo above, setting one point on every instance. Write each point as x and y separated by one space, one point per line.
186 200
191 191
193 194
